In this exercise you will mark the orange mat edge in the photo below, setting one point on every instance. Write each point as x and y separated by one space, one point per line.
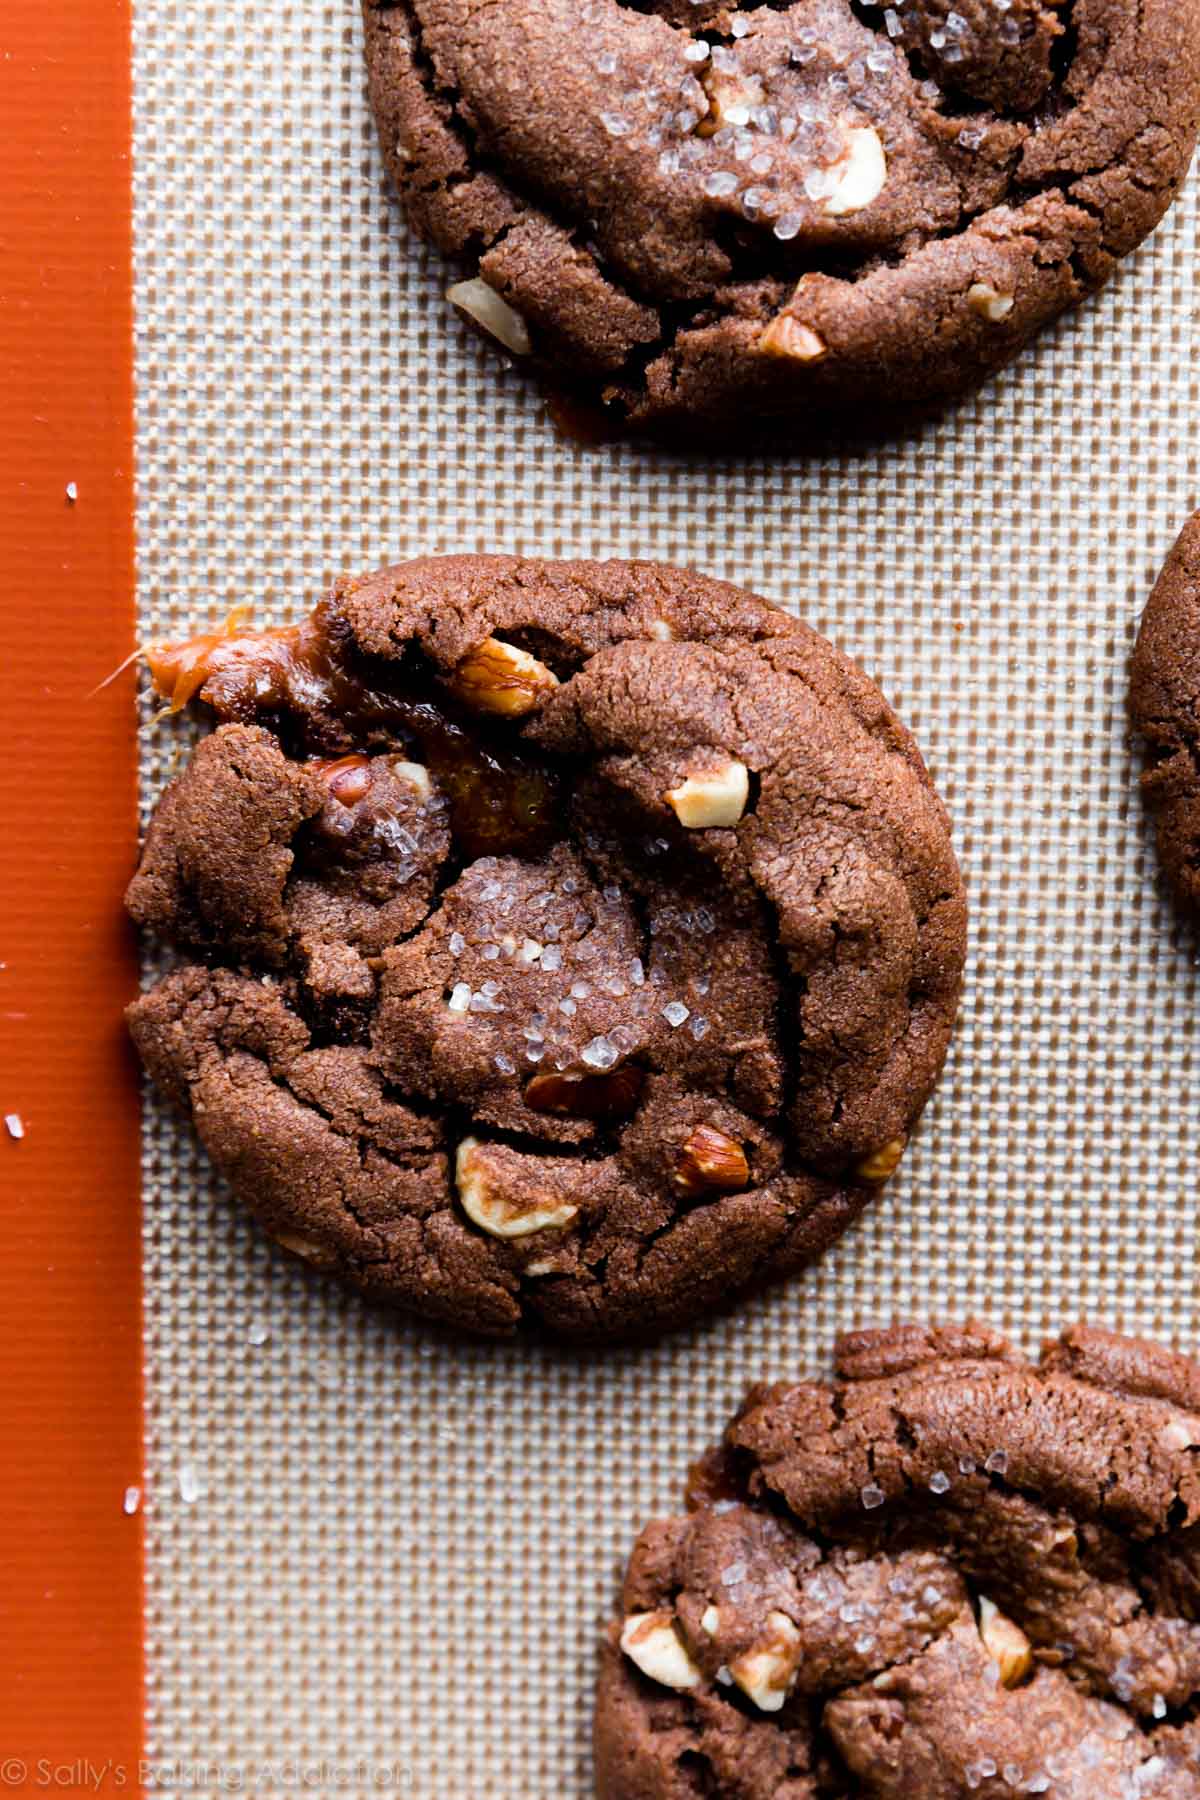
71 1664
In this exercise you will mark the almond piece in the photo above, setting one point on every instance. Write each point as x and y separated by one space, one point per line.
498 678
710 1159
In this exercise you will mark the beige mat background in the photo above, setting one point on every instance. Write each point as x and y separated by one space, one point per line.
402 1545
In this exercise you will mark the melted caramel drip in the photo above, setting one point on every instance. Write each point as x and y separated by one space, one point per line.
179 671
294 680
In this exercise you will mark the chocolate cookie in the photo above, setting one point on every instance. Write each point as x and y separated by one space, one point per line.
573 943
947 1573
690 211
1164 700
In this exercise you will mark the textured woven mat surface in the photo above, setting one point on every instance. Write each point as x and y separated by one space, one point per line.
400 1546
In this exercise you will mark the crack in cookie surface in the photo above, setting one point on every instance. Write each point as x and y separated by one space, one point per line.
733 214
948 1573
568 942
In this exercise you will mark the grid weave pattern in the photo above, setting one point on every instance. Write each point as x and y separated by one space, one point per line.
402 1544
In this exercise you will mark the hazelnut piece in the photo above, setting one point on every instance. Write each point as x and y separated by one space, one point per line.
494 1211
586 1096
652 1641
499 678
766 1671
307 1249
1005 1643
347 779
881 1163
716 797
787 337
492 313
988 302
1180 1434
860 173
416 775
710 1159
731 100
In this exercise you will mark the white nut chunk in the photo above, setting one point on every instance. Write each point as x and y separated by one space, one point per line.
488 1206
500 678
1005 1643
766 1671
988 302
1180 1434
859 174
652 1641
493 313
415 774
713 797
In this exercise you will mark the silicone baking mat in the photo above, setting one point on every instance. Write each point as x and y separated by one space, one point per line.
382 1553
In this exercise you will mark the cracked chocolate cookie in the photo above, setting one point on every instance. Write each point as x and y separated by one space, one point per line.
1164 701
572 943
947 1573
766 216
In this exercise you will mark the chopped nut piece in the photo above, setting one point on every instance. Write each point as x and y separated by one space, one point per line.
1063 1538
710 1620
716 798
347 779
586 1096
1180 1434
500 320
710 1159
319 1255
1005 1643
787 337
493 1211
731 100
498 678
652 1641
882 1162
415 774
861 172
988 302
766 1671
